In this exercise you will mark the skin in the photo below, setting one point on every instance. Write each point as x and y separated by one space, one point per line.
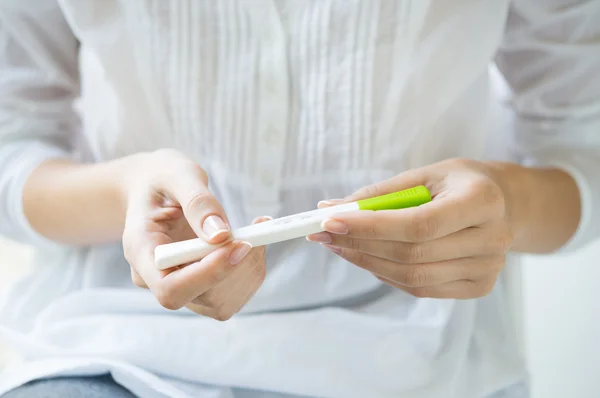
456 245
452 247
139 200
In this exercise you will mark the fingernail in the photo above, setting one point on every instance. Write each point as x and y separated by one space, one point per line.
240 251
214 226
329 202
261 219
335 249
335 227
321 237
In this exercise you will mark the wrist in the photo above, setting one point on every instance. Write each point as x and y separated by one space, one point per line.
515 182
127 173
543 205
74 203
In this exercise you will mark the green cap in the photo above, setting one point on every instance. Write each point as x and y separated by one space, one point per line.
411 197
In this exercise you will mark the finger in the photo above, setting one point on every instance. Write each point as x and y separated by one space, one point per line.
137 279
428 274
202 210
201 310
140 238
177 286
433 220
227 299
469 242
261 219
329 202
464 289
225 290
181 286
405 180
253 280
232 293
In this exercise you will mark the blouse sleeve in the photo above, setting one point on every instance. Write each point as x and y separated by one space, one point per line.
38 86
550 59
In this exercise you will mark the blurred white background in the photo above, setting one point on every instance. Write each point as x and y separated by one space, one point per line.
14 262
561 308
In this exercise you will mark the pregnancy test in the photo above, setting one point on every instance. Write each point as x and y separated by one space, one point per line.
286 228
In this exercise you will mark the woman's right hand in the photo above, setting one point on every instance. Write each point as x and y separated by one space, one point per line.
168 200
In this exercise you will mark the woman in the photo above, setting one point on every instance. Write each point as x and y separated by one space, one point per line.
283 104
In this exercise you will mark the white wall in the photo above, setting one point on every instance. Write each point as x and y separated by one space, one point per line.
14 262
562 323
559 301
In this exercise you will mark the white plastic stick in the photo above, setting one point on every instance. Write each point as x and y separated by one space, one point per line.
273 231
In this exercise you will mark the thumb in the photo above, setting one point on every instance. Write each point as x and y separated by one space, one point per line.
406 180
201 208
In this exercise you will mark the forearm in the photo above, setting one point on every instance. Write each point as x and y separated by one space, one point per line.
78 204
543 206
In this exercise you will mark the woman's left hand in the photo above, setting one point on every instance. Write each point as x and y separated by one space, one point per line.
453 247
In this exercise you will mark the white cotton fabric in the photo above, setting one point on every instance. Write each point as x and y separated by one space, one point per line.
284 103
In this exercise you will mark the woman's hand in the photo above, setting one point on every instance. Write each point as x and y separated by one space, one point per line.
168 200
452 247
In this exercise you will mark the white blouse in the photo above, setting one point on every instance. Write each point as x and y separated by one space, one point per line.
284 103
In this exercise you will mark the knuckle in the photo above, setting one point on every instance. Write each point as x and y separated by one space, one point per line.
198 200
369 191
501 243
260 273
353 244
420 292
127 246
366 231
257 256
461 162
371 231
217 274
410 253
423 227
477 186
416 276
127 252
136 279
212 299
222 315
200 172
485 287
491 265
492 195
363 260
167 300
488 192
168 153
498 263
174 156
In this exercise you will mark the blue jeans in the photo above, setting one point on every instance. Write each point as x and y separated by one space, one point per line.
71 387
519 390
105 387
